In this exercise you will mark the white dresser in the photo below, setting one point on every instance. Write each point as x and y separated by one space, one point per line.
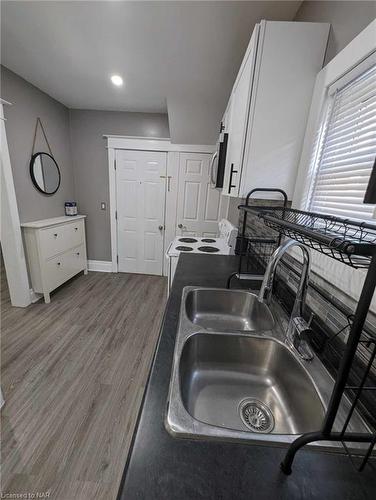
56 251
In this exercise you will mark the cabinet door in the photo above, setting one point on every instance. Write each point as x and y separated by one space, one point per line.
238 118
292 55
226 117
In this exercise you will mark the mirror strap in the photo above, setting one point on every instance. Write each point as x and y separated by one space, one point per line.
39 122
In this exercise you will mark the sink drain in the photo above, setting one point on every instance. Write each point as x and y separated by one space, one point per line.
256 415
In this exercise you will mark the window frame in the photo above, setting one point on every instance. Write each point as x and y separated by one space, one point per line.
355 53
347 280
325 118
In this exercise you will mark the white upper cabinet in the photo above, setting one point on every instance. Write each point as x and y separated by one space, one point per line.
269 105
225 124
238 115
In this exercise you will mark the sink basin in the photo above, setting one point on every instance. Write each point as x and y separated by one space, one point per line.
247 383
234 378
227 310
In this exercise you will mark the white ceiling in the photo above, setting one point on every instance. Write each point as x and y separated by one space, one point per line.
180 57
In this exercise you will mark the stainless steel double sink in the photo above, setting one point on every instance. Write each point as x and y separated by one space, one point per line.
225 310
234 377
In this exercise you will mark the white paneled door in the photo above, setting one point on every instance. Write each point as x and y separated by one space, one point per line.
140 199
200 206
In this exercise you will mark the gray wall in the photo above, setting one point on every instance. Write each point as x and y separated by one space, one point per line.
348 19
76 139
29 103
91 165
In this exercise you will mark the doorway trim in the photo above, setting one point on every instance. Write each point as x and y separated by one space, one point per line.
11 237
115 142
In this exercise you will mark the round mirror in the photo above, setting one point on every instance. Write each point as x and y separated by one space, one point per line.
45 173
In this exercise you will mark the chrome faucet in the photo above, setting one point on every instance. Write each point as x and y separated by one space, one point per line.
298 329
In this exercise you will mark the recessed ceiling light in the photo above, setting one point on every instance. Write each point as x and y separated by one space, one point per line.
117 80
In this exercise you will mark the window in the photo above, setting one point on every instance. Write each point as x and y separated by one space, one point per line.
346 148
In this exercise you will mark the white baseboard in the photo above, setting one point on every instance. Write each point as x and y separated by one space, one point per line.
102 266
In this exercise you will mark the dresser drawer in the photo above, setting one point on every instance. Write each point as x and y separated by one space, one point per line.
75 233
58 239
59 269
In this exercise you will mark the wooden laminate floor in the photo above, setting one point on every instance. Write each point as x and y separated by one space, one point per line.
73 375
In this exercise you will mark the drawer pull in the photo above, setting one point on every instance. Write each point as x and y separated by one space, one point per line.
58 263
78 253
55 235
76 228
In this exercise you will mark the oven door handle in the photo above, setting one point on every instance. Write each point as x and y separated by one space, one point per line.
211 169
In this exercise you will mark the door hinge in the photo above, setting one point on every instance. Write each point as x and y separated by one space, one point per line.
117 259
115 163
116 214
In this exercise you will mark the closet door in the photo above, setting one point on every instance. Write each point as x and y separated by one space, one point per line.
140 200
200 206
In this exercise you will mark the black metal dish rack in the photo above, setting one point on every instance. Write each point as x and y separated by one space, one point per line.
352 243
345 240
255 250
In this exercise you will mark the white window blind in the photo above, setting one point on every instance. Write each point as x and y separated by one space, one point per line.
347 151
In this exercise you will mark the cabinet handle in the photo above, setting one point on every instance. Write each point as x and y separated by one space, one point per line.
76 228
78 253
232 171
59 263
55 235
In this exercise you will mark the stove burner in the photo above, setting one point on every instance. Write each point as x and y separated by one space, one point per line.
208 249
188 240
183 248
207 240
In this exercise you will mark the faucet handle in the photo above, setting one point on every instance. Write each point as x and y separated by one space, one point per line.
301 336
302 328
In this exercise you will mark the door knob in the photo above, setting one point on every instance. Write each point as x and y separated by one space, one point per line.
160 227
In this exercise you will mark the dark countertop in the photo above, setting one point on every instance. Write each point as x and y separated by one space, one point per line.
162 467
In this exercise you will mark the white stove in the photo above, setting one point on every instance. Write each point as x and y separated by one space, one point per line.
223 245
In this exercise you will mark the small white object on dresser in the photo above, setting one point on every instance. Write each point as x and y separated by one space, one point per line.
56 251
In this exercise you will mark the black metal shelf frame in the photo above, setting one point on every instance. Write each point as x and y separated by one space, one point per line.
352 243
256 250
